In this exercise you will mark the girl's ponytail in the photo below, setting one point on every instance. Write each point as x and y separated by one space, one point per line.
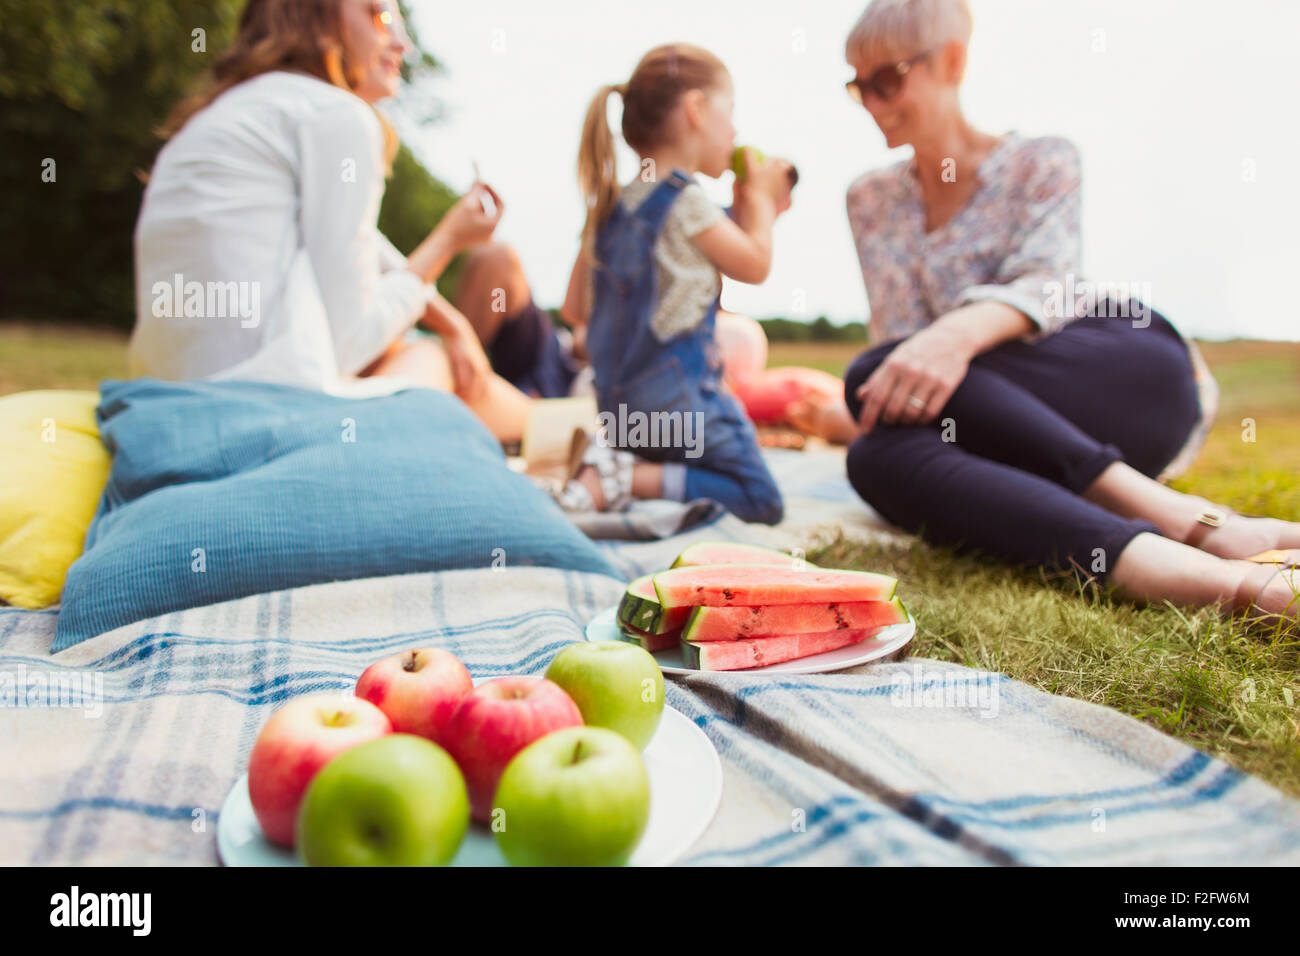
597 167
657 84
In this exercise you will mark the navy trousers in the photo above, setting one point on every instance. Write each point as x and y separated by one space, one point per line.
1000 471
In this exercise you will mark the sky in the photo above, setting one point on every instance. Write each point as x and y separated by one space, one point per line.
1183 110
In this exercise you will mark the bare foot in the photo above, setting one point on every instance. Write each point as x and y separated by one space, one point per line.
1271 591
831 422
1153 569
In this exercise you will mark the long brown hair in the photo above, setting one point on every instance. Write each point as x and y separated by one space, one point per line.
657 84
305 36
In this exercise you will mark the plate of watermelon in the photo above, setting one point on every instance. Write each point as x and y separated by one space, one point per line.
734 607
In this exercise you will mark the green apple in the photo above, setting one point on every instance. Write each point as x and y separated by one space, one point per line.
576 797
396 801
615 684
738 165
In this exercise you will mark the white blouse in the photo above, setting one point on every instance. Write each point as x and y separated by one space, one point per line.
257 251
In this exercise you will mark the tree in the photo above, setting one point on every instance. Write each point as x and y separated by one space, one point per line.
413 202
84 84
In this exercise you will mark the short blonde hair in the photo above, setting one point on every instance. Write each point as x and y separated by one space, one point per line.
896 29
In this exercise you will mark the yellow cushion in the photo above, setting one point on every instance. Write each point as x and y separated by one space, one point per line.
52 471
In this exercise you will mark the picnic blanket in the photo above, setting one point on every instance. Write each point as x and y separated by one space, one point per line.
909 762
820 508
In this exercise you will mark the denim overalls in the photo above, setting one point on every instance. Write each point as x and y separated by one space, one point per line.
665 401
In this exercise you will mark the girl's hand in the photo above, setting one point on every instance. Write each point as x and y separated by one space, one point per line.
914 383
769 177
466 224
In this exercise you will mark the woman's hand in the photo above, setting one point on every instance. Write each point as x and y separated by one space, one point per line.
930 364
470 368
913 384
466 223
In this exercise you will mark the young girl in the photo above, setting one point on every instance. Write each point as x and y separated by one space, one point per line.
647 284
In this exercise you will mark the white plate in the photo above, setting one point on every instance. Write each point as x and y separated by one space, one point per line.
604 627
685 790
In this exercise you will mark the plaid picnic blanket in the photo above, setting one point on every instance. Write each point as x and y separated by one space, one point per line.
909 762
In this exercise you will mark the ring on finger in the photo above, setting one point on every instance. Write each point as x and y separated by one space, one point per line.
915 402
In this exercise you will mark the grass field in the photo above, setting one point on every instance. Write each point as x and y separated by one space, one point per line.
1231 693
34 356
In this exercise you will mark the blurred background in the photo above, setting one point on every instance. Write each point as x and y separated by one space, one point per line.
1180 109
84 84
1183 111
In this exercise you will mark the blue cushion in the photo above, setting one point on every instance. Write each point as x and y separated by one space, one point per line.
226 489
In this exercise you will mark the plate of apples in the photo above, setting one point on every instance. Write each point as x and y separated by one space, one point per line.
422 765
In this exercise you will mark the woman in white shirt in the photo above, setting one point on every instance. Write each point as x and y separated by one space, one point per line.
257 252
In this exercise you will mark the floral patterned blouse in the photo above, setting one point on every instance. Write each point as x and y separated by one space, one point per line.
1018 237
1019 231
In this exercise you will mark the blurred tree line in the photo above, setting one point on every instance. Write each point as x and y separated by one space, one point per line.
820 329
84 84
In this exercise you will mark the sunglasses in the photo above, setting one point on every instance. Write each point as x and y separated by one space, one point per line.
884 83
388 19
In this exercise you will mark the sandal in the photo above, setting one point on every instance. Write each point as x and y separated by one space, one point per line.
1214 517
613 468
1284 558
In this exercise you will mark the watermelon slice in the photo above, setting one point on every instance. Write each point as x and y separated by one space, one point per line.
651 642
729 552
748 585
738 623
641 611
762 651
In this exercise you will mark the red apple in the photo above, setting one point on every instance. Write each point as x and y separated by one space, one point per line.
299 739
498 719
418 689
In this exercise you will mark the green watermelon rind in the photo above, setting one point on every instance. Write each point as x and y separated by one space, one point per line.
640 611
745 554
647 639
643 612
691 655
664 580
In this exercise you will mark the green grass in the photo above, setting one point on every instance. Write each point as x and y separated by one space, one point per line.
833 357
1204 681
1212 684
58 356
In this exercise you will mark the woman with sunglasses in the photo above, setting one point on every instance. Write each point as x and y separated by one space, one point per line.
269 190
995 414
